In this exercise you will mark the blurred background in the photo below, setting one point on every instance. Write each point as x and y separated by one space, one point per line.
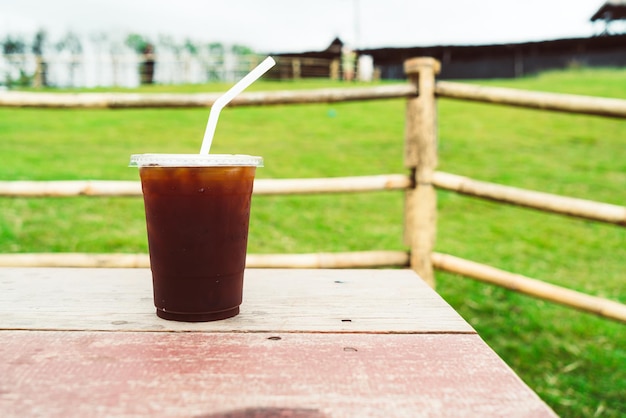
104 43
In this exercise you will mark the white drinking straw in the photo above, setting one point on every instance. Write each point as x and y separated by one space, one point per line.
223 100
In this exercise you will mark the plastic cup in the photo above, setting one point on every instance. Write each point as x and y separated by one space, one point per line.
197 215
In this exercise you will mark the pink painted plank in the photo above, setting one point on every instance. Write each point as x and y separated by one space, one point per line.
49 373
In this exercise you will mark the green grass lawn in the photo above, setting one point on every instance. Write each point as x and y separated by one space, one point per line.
575 361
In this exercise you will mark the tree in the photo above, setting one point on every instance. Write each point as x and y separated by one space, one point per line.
192 54
176 49
137 43
191 47
72 44
99 40
38 47
13 50
145 48
244 58
241 50
215 63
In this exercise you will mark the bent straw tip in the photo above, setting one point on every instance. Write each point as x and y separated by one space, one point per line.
256 73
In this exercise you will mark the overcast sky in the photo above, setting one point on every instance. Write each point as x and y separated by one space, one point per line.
295 26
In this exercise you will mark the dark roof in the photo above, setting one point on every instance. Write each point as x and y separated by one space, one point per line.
333 51
611 10
472 52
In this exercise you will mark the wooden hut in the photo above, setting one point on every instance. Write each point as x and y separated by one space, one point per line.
506 60
311 64
610 11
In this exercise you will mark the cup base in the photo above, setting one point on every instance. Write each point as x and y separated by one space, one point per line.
199 317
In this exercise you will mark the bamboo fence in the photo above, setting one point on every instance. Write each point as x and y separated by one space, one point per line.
173 100
558 102
107 188
419 185
547 202
354 259
599 306
563 205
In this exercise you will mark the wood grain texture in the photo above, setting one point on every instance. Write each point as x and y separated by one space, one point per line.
391 301
257 375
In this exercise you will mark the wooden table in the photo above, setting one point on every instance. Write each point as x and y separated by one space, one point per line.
308 343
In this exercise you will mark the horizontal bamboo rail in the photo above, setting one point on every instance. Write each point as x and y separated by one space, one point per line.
158 100
332 185
82 260
563 205
356 259
69 188
615 108
581 208
599 306
101 188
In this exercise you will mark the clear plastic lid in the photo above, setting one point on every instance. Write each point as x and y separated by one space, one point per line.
194 160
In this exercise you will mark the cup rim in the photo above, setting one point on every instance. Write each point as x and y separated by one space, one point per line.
194 160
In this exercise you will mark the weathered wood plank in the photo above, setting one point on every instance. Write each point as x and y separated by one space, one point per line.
395 301
252 375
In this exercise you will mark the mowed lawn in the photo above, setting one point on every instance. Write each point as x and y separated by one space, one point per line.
575 361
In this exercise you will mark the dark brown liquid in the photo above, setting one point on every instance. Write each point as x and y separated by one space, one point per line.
197 219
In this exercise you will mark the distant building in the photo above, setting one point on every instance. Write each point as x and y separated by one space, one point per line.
609 12
476 61
311 64
465 61
506 60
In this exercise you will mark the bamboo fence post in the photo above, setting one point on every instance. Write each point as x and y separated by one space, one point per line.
421 158
295 68
39 72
